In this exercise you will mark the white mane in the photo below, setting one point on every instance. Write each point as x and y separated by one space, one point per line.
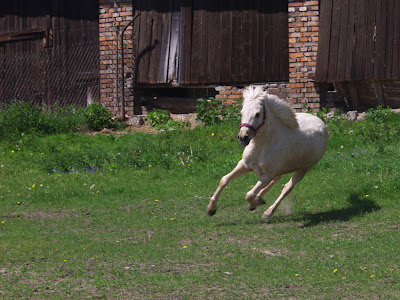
279 107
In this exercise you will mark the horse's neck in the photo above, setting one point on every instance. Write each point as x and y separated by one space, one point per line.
268 132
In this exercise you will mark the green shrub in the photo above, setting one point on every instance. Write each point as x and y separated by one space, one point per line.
158 117
59 119
98 117
19 117
213 111
376 128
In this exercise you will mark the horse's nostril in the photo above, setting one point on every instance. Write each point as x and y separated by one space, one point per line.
246 138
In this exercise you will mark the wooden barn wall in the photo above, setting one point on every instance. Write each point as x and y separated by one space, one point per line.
50 47
205 42
359 39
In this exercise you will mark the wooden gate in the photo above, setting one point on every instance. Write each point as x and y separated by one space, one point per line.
49 51
205 42
359 39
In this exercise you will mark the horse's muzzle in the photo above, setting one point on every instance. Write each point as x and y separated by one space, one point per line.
244 140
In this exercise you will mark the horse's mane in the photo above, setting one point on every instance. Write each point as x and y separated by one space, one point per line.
279 107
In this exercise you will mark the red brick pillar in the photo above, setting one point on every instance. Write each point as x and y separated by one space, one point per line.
113 16
303 44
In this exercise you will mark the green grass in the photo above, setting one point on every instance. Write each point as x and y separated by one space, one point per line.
137 228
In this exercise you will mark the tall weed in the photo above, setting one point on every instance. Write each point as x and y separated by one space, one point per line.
20 117
214 111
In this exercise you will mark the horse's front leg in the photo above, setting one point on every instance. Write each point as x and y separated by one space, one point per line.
259 200
261 185
238 171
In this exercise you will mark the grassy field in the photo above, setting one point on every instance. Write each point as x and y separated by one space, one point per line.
125 217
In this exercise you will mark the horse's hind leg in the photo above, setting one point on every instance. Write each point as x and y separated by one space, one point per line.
296 178
259 200
238 171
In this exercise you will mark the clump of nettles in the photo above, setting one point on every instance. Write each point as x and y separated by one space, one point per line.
161 119
98 117
19 117
213 111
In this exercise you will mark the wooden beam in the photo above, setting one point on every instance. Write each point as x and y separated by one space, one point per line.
354 98
23 35
380 96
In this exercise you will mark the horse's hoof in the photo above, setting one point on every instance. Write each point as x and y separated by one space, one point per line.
250 208
211 212
259 201
266 216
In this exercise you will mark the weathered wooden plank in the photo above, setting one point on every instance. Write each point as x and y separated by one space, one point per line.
206 28
214 42
254 41
353 94
324 40
380 97
226 42
380 45
360 42
349 40
144 42
174 46
370 39
165 44
261 50
197 28
284 44
334 41
154 49
268 47
274 54
245 38
185 53
396 42
342 40
389 38
237 45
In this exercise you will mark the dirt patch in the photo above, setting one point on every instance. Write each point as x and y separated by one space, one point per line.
52 215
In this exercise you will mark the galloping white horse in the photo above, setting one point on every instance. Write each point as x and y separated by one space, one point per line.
278 141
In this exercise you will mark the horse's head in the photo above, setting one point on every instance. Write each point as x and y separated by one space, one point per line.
253 114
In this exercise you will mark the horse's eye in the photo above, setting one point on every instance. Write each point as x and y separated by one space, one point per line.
257 115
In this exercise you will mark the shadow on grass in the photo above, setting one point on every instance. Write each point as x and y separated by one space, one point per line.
358 206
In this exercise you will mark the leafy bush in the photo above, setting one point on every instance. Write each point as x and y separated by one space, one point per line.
18 117
59 119
213 111
98 117
158 117
376 127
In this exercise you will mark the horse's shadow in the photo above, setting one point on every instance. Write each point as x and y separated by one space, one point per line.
359 205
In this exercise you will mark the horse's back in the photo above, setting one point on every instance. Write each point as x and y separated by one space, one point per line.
314 130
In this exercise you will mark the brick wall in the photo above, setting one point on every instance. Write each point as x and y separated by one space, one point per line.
231 93
113 16
303 44
303 20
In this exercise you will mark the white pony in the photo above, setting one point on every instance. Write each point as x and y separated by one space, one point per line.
278 141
